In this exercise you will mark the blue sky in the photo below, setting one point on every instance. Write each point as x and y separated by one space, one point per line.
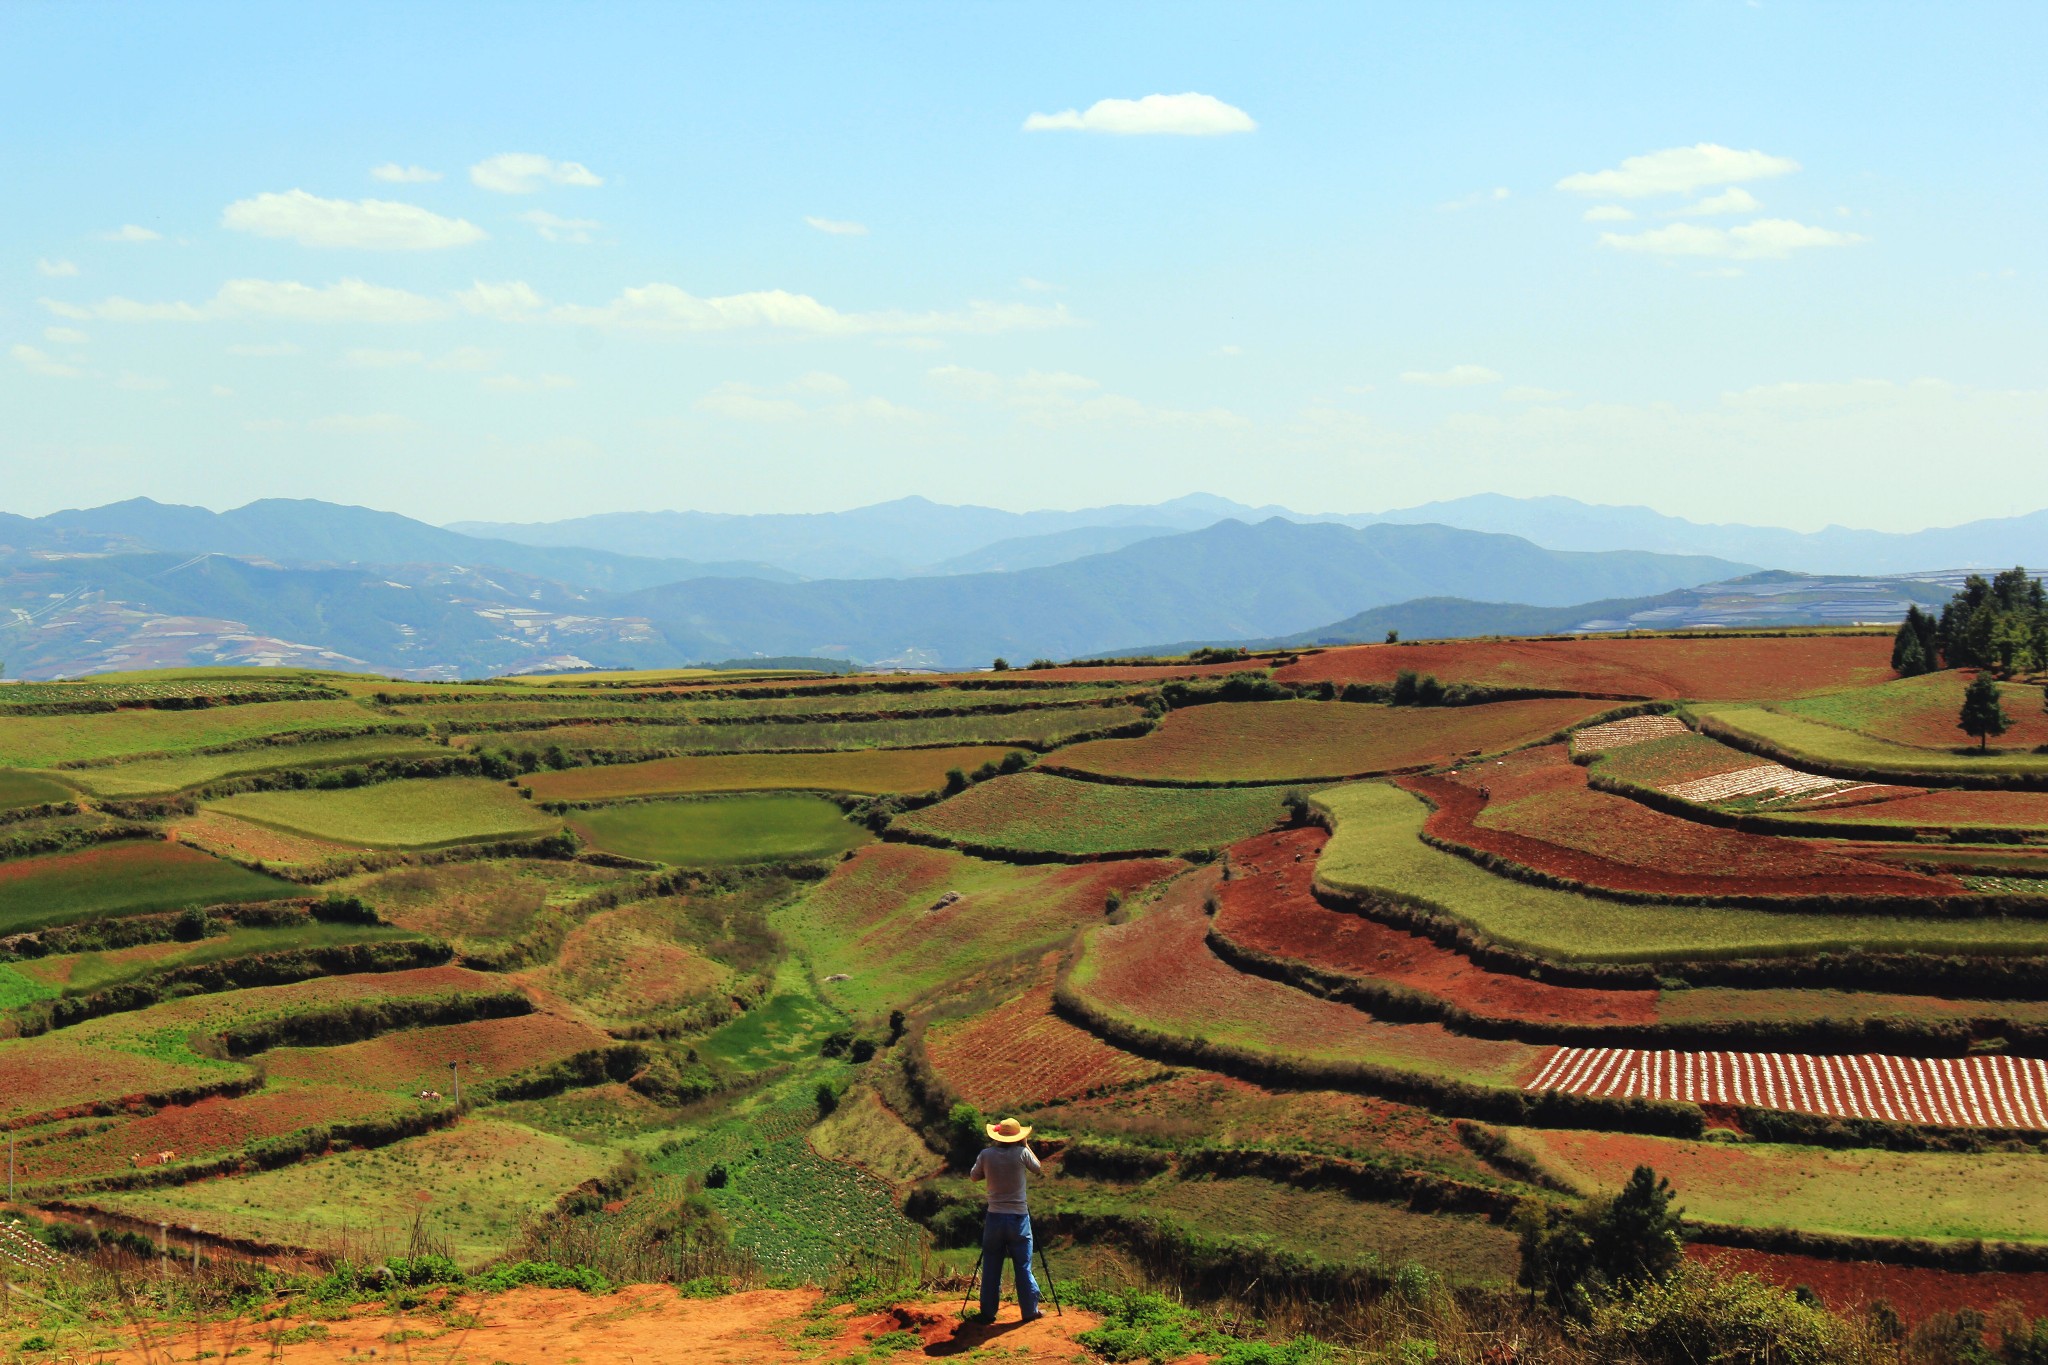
1766 262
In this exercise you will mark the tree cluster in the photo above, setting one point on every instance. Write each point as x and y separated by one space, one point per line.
2000 623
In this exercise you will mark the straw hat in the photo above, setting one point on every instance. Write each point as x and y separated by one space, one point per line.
1008 1130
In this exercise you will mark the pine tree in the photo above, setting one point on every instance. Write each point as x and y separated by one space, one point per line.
1982 715
1909 658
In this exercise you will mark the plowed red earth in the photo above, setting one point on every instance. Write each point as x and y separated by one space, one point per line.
1267 906
1022 1052
1555 823
1704 669
1916 1292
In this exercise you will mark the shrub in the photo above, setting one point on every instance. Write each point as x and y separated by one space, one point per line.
1580 1258
1698 1314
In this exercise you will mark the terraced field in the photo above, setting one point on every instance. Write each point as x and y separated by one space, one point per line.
869 772
47 741
1815 743
1305 741
1039 813
415 814
133 877
730 829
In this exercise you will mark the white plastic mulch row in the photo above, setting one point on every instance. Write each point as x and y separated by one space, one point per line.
1753 781
1619 734
1978 1092
23 1250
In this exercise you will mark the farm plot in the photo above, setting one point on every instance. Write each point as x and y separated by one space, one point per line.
85 972
244 841
1999 1196
1376 851
48 741
1021 1053
1039 729
865 1133
1706 668
898 920
481 903
731 829
655 957
863 772
1304 741
1623 733
1536 808
57 1074
402 1064
1979 1091
1157 973
1812 743
1852 1287
156 776
482 1177
1921 712
1034 812
21 789
409 814
1944 809
134 877
217 687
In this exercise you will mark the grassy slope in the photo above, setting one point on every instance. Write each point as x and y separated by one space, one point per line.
1020 727
1922 711
1804 738
416 814
93 971
1376 848
134 877
1994 1195
866 772
1039 812
18 789
152 776
42 741
733 829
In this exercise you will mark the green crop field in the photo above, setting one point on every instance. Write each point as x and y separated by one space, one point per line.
477 904
85 972
1376 849
1921 712
1998 1196
134 877
1804 739
866 772
19 789
728 829
1304 741
47 741
151 776
414 814
1037 812
1033 728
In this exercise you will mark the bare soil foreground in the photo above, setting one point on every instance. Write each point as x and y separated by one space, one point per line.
636 1325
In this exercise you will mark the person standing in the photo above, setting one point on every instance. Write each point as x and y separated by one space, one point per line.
1006 1228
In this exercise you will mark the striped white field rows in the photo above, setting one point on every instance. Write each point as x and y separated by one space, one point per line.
1754 781
1977 1092
1619 734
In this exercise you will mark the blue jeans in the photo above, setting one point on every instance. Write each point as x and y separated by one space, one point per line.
1007 1235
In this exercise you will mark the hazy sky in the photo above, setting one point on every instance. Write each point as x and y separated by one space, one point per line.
1739 261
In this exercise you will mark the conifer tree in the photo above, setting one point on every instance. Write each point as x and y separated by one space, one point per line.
1982 715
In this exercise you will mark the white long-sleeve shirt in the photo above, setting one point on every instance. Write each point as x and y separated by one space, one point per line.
1003 1168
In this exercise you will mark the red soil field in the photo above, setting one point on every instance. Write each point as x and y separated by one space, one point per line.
1267 906
1978 1091
1939 808
211 1127
1021 1052
1157 971
1307 741
1702 669
402 1063
1916 1292
1537 810
54 1074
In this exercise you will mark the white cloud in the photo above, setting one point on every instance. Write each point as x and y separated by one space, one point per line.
280 300
512 383
665 307
363 424
557 229
1678 170
837 227
65 336
37 362
1476 198
141 383
1456 377
363 224
525 172
131 233
1735 199
272 348
1058 398
1524 393
1765 239
370 358
1608 213
392 173
1186 115
56 270
508 301
820 381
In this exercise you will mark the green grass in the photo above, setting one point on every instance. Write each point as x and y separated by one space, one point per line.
411 814
19 789
1805 739
477 904
46 741
733 829
1376 850
786 1028
154 776
1040 727
17 988
1994 1195
83 973
474 1181
130 878
867 772
1037 812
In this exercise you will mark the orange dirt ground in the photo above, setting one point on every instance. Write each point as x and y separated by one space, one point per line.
638 1325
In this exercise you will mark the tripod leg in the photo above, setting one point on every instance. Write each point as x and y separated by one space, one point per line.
1051 1288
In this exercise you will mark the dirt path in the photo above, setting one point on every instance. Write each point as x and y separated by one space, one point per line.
638 1325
